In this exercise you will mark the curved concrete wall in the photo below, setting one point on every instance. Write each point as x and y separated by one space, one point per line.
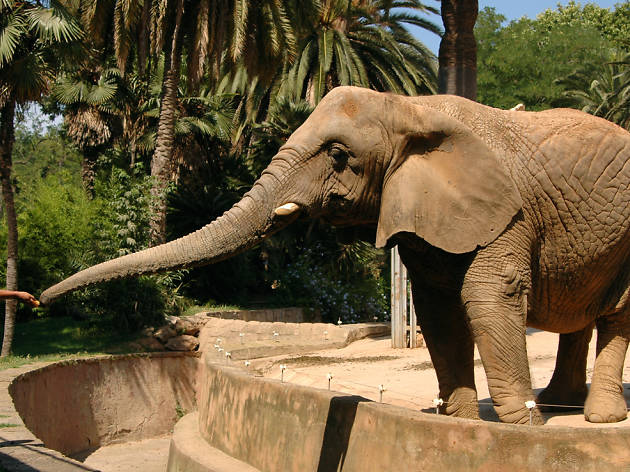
80 405
277 426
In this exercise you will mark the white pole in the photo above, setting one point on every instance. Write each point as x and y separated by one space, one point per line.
398 300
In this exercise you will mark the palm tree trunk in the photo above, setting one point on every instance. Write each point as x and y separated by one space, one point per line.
457 74
161 163
88 163
6 149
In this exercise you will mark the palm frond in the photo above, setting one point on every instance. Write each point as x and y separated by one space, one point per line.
11 35
53 24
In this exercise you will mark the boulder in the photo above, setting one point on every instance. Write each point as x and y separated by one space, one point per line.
165 333
182 343
171 320
185 326
148 331
150 344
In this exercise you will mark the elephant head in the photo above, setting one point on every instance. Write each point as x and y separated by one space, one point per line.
361 158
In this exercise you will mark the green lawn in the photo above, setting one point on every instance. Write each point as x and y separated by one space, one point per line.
48 339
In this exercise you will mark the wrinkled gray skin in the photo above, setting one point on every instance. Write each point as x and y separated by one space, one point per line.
504 220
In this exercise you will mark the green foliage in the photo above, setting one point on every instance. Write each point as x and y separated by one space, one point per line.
66 335
614 25
520 62
602 91
314 280
63 231
33 39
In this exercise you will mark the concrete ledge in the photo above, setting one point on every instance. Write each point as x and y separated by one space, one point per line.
277 426
75 407
190 453
258 338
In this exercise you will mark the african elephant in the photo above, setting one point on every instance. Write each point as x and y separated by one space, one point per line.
504 220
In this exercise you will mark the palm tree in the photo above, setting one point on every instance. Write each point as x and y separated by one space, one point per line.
361 43
255 34
601 91
31 42
87 99
458 48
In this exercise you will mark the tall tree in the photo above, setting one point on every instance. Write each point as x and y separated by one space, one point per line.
361 43
256 35
31 42
458 49
520 61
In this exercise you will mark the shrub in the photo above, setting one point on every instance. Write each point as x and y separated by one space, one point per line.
351 297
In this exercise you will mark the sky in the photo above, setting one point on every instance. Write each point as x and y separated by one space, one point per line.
511 9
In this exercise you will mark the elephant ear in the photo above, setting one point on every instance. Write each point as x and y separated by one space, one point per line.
445 185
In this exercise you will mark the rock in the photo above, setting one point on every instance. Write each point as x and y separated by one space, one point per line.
165 333
150 344
171 320
148 331
182 343
184 326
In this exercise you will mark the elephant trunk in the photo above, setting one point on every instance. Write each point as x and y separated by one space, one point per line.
241 227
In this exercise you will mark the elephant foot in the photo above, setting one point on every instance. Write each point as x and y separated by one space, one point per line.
567 399
462 403
605 408
515 412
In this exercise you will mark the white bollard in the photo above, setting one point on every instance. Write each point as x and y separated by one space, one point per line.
242 336
437 403
282 369
381 389
530 405
329 376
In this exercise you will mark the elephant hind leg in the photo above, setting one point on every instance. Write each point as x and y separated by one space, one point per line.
568 383
605 402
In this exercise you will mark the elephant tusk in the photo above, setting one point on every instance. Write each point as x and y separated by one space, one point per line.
286 209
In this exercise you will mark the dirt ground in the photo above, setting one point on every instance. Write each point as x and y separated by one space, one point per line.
407 376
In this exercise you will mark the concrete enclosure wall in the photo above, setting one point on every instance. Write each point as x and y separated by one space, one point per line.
78 406
272 315
277 426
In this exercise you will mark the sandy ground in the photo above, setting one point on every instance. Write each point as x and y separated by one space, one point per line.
407 376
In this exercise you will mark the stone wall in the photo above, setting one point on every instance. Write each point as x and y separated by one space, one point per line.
78 406
275 426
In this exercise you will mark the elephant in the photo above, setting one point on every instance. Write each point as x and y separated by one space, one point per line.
504 220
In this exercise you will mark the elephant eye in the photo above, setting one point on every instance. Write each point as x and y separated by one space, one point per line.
339 154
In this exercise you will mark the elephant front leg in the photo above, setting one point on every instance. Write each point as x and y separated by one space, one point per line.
495 302
568 383
448 338
605 402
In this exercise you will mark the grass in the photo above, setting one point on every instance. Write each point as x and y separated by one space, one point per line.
51 339
8 425
193 310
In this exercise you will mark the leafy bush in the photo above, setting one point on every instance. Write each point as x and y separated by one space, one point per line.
62 231
310 282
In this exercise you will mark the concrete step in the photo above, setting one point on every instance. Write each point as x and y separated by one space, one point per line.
190 453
